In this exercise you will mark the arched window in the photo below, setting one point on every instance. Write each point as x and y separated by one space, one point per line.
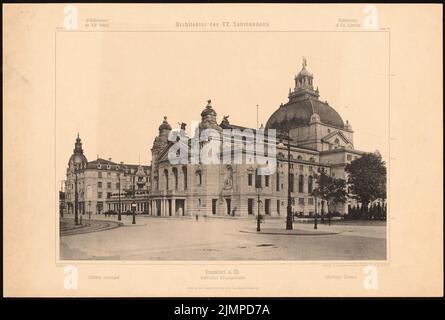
166 179
300 183
184 173
175 175
310 183
300 158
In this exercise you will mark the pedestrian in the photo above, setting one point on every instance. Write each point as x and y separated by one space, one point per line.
196 217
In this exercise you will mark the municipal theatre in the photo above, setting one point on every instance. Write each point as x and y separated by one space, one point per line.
316 136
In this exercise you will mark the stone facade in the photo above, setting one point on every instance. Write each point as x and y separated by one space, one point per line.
100 180
318 137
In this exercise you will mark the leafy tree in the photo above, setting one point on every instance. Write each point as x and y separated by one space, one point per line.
367 179
331 190
337 192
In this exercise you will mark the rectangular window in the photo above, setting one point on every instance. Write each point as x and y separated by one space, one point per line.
278 206
349 157
278 181
108 195
310 201
109 185
108 174
310 168
301 201
250 206
301 167
99 195
99 174
99 184
257 179
249 179
117 185
291 183
266 181
267 206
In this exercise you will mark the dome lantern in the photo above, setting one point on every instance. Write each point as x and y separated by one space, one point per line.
165 126
304 86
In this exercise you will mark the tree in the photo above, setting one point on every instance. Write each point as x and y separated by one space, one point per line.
321 190
331 190
367 179
337 194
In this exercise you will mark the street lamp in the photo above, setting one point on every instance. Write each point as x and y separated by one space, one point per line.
258 219
315 220
89 209
133 208
289 224
77 164
119 218
321 171
133 204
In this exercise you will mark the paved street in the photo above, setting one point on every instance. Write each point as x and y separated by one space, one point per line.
170 238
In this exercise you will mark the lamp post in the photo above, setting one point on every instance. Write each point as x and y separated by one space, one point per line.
148 196
119 218
133 204
77 163
322 172
289 224
258 219
89 209
133 208
315 220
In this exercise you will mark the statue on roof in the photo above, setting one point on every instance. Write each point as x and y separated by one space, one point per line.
304 62
182 125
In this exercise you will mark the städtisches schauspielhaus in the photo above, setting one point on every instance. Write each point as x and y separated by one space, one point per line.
318 138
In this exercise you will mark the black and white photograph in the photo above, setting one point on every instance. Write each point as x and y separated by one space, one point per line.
160 157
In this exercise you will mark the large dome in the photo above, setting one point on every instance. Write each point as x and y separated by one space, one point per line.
298 113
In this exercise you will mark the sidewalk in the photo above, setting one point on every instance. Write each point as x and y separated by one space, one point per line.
294 232
68 227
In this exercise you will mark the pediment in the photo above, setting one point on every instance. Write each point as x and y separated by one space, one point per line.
336 136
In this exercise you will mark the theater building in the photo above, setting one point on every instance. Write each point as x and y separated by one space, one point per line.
318 138
317 135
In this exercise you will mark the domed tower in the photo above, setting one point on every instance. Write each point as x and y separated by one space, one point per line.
308 119
208 118
160 143
161 140
77 158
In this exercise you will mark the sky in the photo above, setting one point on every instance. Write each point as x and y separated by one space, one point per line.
114 88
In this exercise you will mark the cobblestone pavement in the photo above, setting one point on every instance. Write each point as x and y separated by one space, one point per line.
184 238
